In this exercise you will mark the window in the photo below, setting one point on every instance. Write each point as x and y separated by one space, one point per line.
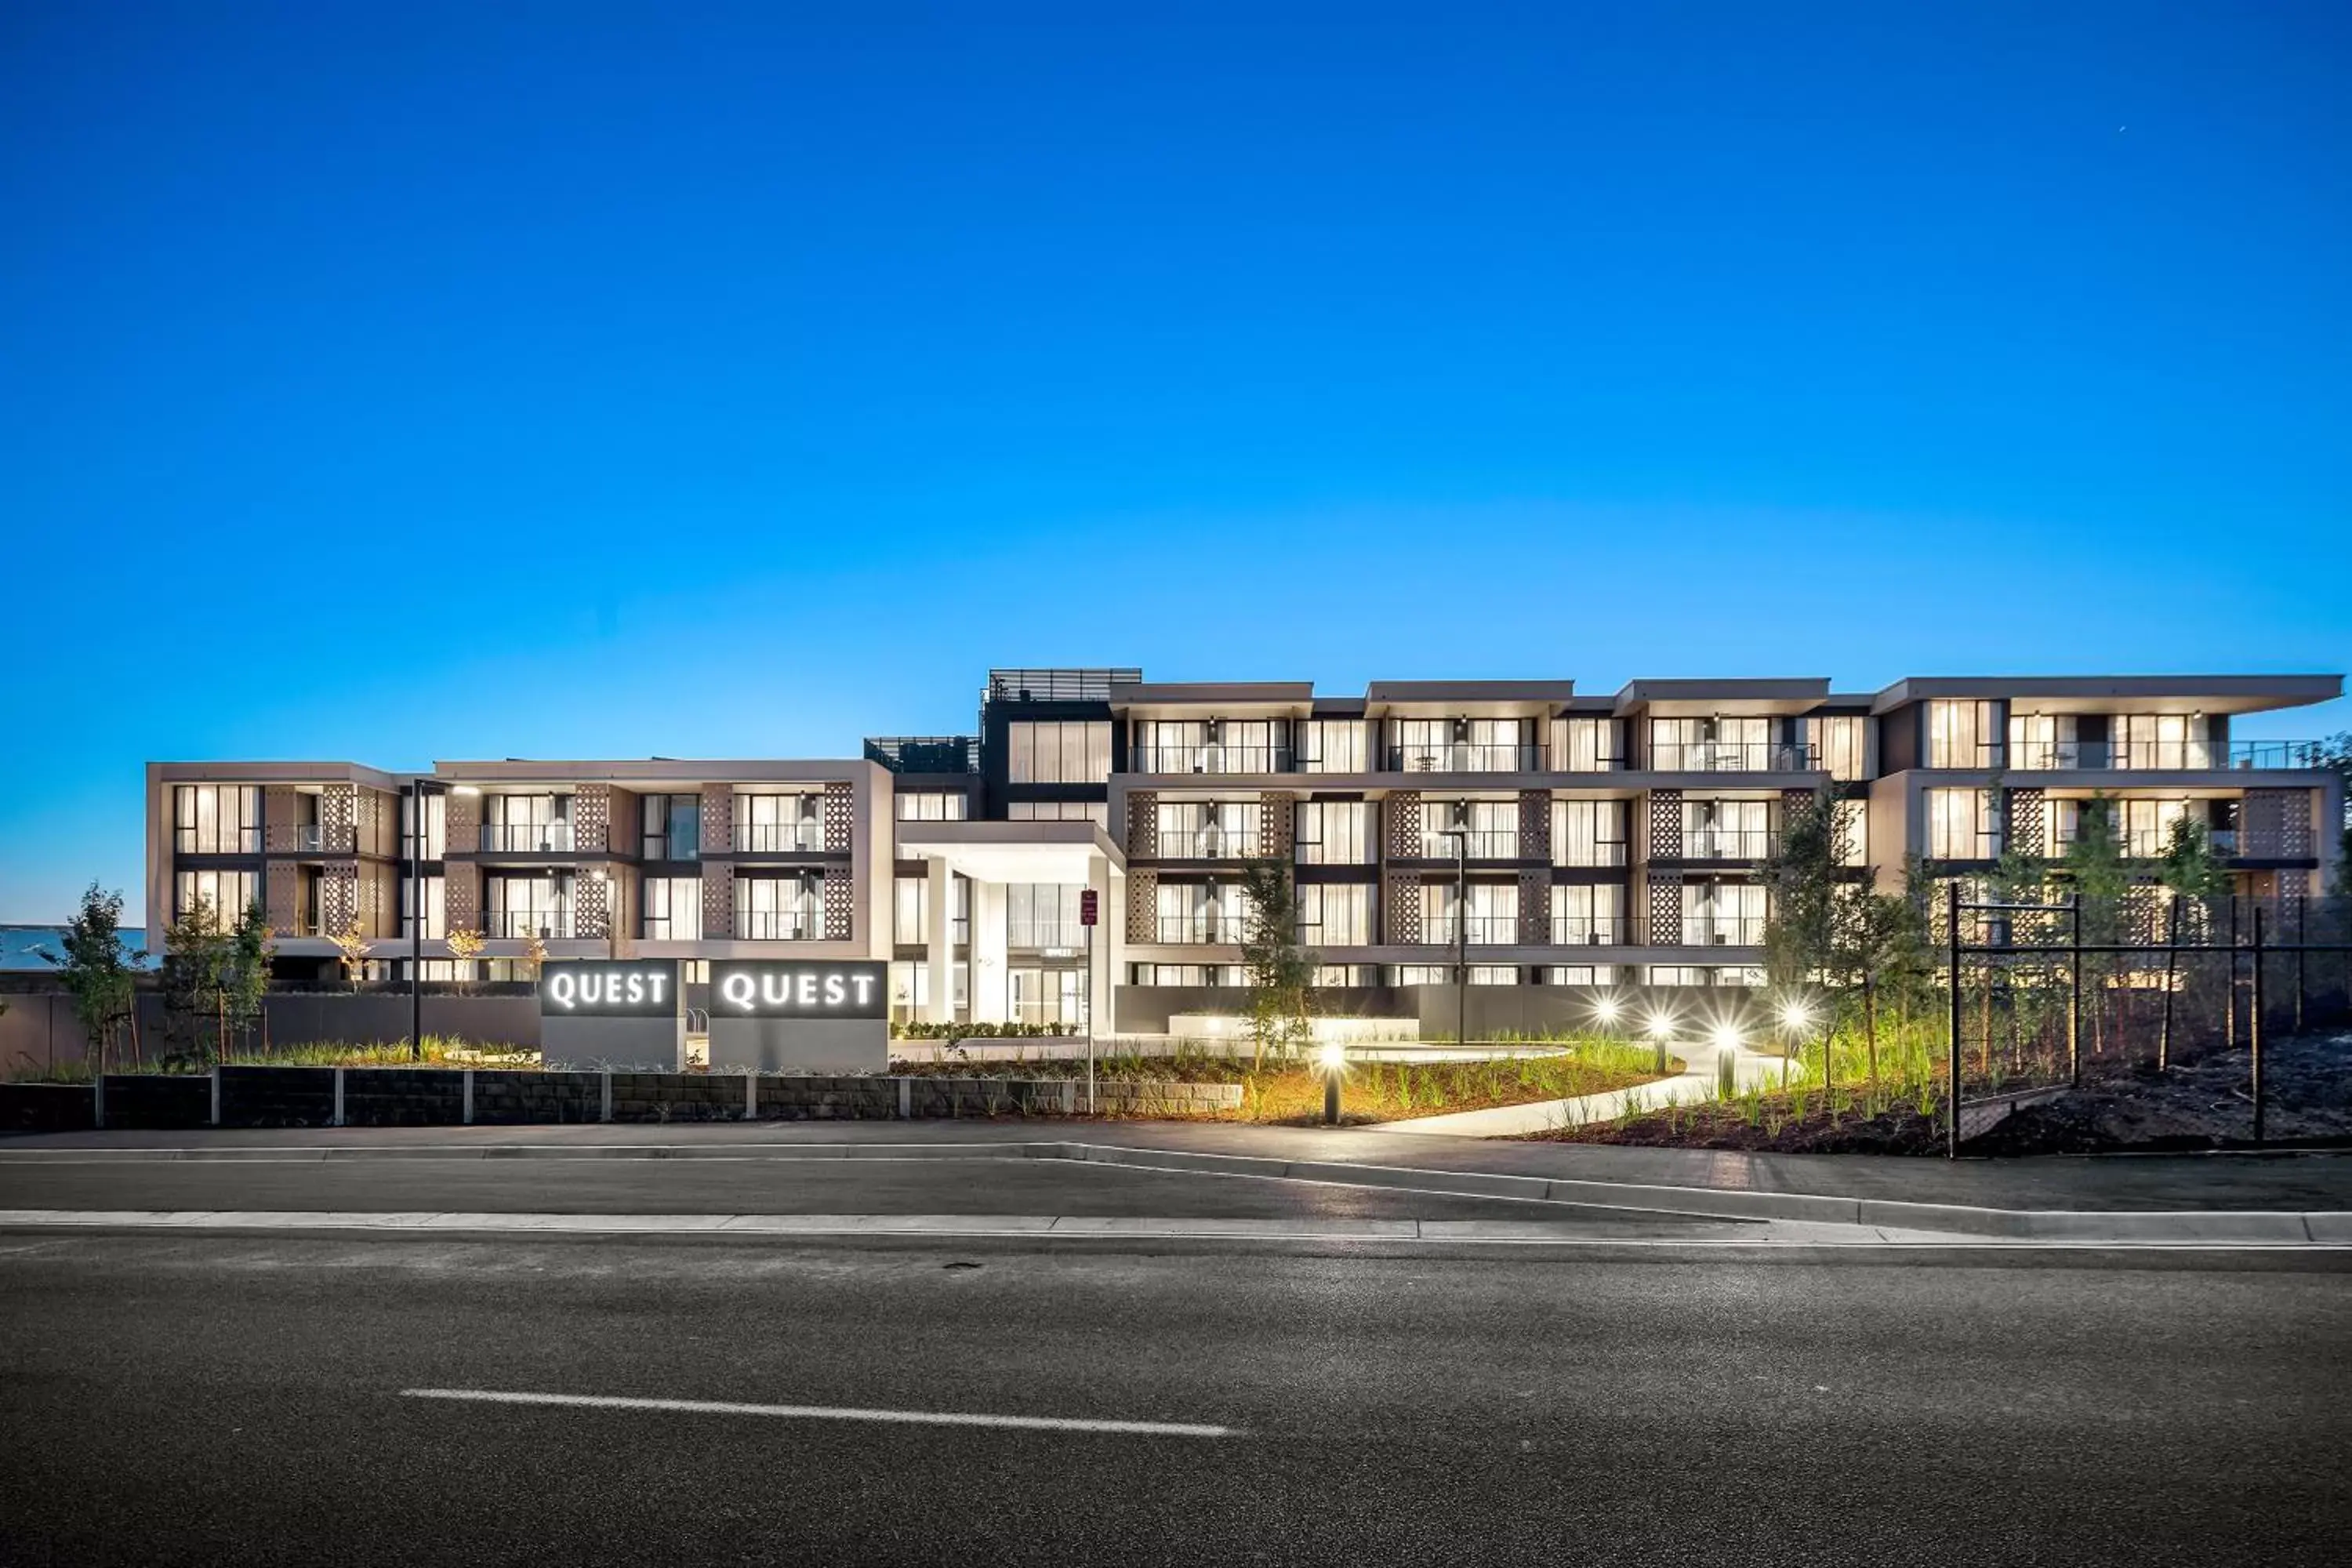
779 908
528 904
1460 745
1094 811
1043 914
672 908
1580 974
1334 914
1442 975
533 823
1208 829
1201 912
1333 746
1493 912
1587 833
911 904
1207 746
436 826
1839 744
1724 829
1719 744
1587 745
1187 975
1073 752
1964 734
1697 974
436 913
1492 826
2144 826
1587 913
2161 740
933 805
1335 833
2042 740
1961 825
217 819
1341 974
910 988
1055 996
673 827
1853 830
1722 914
229 893
780 821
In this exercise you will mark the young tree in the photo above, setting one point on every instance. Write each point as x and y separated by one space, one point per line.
1281 970
247 979
98 971
2102 880
195 971
464 945
1802 902
534 953
354 948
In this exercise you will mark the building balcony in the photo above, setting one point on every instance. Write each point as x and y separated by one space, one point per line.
779 837
1464 758
1202 928
1723 931
1733 757
1725 844
1478 844
1035 934
527 838
1211 758
1485 931
550 925
234 841
1587 930
2155 756
780 925
1208 844
675 847
925 753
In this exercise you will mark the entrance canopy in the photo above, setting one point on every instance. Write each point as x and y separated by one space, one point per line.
1002 852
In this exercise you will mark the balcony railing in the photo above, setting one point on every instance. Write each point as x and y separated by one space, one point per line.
1723 931
779 837
781 925
1211 758
674 846
228 841
1202 926
1032 933
1726 844
1732 757
514 924
2277 754
2160 756
1488 931
1463 757
527 837
925 753
1208 844
1058 685
1587 930
1477 843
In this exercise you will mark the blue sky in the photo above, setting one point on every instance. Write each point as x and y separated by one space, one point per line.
409 382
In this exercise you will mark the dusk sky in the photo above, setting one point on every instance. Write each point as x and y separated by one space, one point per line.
395 382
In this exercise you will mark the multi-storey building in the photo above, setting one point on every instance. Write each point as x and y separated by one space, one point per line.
1554 839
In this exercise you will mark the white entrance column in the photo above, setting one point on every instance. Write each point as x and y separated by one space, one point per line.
1104 948
939 944
991 983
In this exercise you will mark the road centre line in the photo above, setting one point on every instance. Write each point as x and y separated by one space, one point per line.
831 1413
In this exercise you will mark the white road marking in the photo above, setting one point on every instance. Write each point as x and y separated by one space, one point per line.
831 1413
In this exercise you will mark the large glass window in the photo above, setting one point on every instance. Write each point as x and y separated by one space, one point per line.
436 907
1587 913
230 893
1094 811
2161 740
1067 752
672 909
1201 912
1728 744
437 826
1963 734
910 988
2042 740
535 823
1335 833
1492 912
1853 831
1043 914
1961 824
1726 829
1334 914
1722 914
1460 746
779 821
1208 746
1493 826
933 805
1054 996
1586 744
217 819
1333 746
1588 832
1840 742
673 827
527 904
779 908
1208 829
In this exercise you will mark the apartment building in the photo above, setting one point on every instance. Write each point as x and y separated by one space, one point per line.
1554 839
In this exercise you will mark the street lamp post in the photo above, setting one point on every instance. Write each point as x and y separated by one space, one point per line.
1461 837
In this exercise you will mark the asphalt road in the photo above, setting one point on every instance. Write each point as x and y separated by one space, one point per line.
223 1399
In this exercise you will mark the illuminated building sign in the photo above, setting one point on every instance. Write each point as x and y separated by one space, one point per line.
601 988
796 988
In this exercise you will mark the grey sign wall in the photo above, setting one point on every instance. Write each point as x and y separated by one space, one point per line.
811 1015
621 1012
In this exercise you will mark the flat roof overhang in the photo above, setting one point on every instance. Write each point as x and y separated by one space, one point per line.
1061 852
1213 699
1468 699
1704 698
2120 693
661 773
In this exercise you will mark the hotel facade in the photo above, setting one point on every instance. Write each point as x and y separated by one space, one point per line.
1567 841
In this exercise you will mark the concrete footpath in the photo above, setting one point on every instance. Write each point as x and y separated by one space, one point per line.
2257 1201
1697 1083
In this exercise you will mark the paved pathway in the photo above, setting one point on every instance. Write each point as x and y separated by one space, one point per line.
1512 1120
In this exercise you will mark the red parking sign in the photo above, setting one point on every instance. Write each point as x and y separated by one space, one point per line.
1086 907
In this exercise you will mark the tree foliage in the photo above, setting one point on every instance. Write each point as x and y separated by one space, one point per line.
353 947
1805 908
1281 968
197 955
97 968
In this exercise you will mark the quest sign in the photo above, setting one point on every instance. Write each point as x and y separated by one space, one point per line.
813 1014
622 1012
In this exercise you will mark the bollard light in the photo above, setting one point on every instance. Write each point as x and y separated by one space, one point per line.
1334 1057
1606 1008
1662 1029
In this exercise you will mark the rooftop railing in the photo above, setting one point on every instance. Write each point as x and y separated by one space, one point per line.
1058 685
925 753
